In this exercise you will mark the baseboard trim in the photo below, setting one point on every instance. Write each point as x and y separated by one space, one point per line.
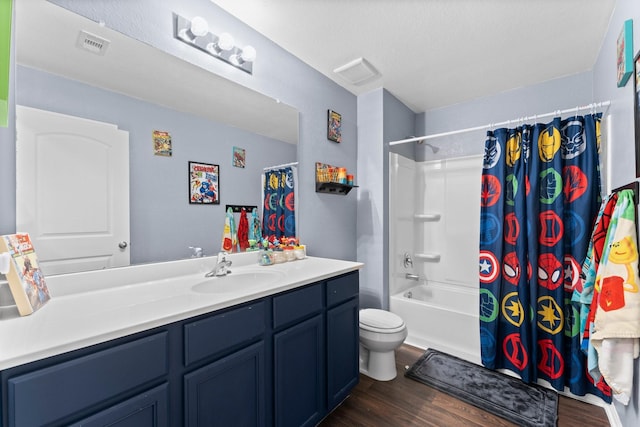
612 416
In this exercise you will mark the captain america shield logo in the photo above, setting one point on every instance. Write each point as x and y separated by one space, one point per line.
489 268
572 274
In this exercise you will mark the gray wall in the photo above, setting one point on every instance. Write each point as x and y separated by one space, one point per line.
370 198
327 222
620 145
163 223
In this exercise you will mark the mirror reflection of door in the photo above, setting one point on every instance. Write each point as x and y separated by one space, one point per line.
72 191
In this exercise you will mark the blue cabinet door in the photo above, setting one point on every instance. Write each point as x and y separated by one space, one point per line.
342 351
228 392
299 374
145 410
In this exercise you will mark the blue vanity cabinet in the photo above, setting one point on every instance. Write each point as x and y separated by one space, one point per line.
229 389
114 383
286 359
299 360
343 338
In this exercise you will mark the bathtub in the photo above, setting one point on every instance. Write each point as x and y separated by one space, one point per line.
440 316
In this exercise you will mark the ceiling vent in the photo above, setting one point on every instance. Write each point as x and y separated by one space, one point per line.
357 72
92 43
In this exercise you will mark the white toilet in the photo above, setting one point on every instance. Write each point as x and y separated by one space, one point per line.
381 332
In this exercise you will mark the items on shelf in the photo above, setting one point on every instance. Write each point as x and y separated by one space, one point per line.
333 179
334 174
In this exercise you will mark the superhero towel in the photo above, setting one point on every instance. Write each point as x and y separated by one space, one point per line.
243 231
616 328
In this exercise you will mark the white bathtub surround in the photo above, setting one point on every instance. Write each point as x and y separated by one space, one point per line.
92 307
434 215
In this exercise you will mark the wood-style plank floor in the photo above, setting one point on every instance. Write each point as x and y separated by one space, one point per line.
406 402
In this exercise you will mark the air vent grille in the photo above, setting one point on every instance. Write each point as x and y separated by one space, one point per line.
92 43
358 71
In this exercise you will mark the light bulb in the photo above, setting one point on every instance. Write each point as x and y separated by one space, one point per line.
199 26
225 41
248 54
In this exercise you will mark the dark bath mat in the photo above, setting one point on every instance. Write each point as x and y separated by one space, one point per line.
494 392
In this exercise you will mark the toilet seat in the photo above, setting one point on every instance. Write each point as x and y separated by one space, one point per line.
380 321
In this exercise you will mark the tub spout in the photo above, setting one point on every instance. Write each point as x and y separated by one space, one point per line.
412 276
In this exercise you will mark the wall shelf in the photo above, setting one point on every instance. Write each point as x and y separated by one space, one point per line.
427 217
333 188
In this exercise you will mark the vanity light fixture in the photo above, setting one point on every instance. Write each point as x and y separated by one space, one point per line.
195 33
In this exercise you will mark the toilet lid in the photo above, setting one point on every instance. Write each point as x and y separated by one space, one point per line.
371 318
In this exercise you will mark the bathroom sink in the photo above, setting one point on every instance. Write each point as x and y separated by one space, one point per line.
238 281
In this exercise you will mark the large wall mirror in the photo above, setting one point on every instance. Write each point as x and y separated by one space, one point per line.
140 89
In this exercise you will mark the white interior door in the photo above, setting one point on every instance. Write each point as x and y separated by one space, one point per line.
72 191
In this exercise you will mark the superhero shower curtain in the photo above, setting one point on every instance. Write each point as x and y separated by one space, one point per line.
540 196
279 210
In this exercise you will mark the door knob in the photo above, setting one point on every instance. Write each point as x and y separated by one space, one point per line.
122 245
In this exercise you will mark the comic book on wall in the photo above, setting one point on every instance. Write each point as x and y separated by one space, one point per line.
26 281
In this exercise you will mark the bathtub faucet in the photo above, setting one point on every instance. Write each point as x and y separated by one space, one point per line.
412 276
407 262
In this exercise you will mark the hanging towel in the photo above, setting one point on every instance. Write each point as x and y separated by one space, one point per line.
255 233
603 230
616 329
229 237
243 231
234 234
227 241
584 294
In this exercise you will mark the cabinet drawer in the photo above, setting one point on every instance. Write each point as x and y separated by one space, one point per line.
296 305
342 288
212 335
51 394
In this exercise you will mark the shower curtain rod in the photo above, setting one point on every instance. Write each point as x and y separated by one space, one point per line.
280 166
491 125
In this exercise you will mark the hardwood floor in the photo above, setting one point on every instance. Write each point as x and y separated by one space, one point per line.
405 402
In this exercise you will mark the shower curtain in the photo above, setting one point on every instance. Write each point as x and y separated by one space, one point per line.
279 210
540 196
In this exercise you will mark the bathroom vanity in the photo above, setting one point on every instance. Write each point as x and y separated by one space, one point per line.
170 351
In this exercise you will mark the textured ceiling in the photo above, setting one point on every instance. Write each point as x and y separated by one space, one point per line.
434 53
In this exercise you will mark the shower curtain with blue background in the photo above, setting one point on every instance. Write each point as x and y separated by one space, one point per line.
540 196
279 210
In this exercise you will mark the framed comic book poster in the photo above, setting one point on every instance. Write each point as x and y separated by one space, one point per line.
204 184
334 125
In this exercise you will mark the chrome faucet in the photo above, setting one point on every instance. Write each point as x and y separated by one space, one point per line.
197 252
221 268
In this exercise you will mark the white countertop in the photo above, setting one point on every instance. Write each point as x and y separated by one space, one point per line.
94 307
